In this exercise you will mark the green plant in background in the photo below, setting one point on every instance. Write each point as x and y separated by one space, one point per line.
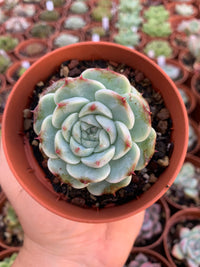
94 137
160 48
58 3
24 10
130 6
158 13
142 260
98 30
5 61
127 37
34 49
190 26
184 9
128 20
187 249
157 29
74 22
50 15
172 71
8 261
105 3
99 12
79 7
65 39
188 181
8 43
13 228
41 30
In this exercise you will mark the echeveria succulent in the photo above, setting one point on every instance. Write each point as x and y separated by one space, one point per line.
152 224
95 129
188 247
188 180
141 260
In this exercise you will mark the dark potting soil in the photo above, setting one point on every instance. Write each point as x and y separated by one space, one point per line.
173 236
141 180
188 60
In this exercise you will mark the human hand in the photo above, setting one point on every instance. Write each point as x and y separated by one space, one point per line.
53 241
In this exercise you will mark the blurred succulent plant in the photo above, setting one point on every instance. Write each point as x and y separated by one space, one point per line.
78 7
151 226
141 260
49 15
130 6
8 43
64 39
99 12
158 13
12 225
156 29
188 247
24 10
127 37
16 24
193 138
42 30
184 10
94 137
194 48
74 22
190 26
159 47
5 61
188 181
128 20
8 261
34 49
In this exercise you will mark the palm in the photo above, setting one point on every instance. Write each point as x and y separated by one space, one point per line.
107 243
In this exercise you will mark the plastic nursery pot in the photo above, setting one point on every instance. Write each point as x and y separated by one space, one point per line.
152 256
180 206
186 59
11 74
190 106
2 82
179 41
13 142
171 7
7 253
180 217
196 145
157 238
195 86
43 47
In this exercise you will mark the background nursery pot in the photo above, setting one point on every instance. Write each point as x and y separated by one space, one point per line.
13 142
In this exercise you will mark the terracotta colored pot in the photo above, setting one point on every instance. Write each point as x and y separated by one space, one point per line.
3 82
171 7
21 53
191 97
182 58
182 46
11 75
194 81
174 205
164 218
181 216
7 253
195 126
2 242
151 254
16 153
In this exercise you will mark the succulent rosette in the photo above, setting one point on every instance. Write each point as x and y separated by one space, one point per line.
95 130
189 246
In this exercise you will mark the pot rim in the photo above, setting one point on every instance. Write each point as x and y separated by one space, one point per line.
106 51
